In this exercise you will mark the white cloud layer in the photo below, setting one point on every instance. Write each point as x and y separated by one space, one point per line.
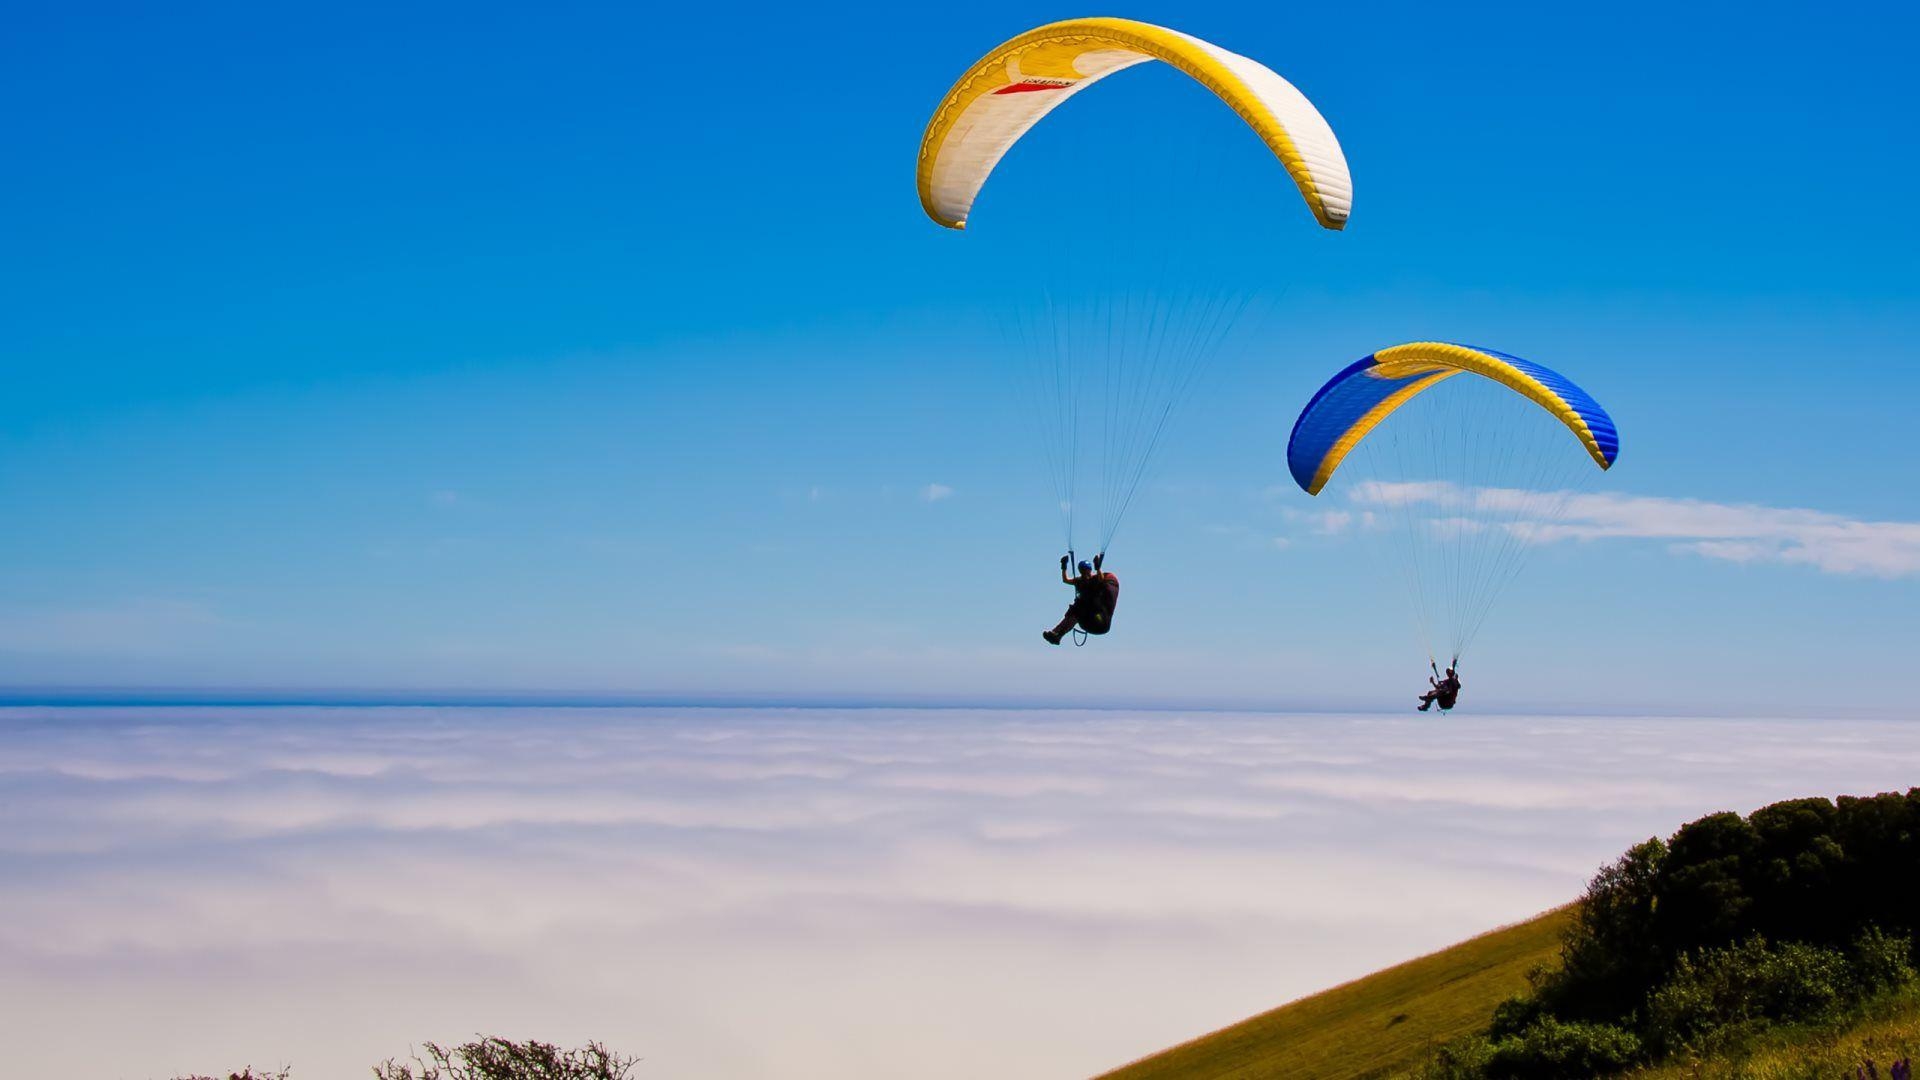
768 893
1734 532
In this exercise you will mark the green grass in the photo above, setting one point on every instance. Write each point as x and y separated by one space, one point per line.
1386 1024
1380 1026
1889 1031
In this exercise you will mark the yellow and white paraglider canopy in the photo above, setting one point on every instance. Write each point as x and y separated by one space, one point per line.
1009 90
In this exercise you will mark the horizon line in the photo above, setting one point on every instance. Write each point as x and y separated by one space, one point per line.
62 697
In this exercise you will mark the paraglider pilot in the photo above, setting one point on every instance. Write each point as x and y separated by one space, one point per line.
1445 692
1095 594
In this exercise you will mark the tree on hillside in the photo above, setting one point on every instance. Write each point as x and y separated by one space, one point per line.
1801 911
1607 952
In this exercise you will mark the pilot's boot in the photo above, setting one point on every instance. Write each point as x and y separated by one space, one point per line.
1052 637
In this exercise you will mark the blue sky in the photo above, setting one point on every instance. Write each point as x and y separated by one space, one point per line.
607 351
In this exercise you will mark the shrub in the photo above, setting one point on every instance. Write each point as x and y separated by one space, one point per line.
1514 1016
1881 961
501 1059
1461 1059
1553 1050
1743 985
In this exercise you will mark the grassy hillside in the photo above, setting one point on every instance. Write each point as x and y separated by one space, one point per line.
1379 1026
1382 1026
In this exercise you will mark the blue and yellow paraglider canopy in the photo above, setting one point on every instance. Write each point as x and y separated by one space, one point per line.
1356 400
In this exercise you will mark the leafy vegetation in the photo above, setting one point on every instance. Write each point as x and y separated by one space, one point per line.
500 1059
1777 946
487 1059
1879 1043
1732 935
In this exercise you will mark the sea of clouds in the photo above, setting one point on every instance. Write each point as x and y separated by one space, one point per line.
781 893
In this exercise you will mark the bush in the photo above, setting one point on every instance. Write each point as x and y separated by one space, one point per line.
1881 961
1668 949
501 1059
489 1059
1810 870
1744 985
1514 1016
1553 1050
1461 1059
